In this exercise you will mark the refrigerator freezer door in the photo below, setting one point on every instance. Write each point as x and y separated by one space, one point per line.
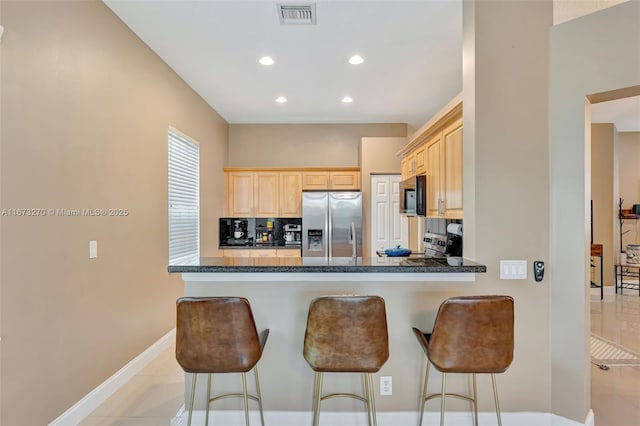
345 219
315 224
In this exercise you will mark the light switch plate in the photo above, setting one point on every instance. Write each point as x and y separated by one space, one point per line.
93 249
513 269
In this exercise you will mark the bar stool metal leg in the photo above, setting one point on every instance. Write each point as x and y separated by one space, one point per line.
206 417
372 402
444 381
255 372
246 399
423 396
365 390
317 398
495 396
475 401
193 393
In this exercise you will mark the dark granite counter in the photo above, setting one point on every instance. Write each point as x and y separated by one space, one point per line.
337 265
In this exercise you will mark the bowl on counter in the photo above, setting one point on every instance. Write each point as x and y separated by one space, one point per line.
397 252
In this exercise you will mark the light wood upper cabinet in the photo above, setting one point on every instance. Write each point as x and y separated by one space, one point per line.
434 173
275 193
240 195
344 180
266 190
290 194
405 168
327 180
452 185
436 151
419 159
315 180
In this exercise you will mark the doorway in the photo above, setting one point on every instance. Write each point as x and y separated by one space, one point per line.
388 227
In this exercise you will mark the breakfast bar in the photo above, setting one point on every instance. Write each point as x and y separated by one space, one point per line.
280 291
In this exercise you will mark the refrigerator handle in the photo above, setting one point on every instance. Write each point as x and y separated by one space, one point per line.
353 239
328 226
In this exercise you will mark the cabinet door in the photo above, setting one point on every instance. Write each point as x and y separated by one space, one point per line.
263 252
404 168
315 180
290 194
288 253
266 194
344 180
433 172
236 253
452 185
240 194
420 160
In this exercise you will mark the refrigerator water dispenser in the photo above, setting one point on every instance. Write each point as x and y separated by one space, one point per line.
315 240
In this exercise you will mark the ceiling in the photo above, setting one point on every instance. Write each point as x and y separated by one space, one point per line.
412 52
624 113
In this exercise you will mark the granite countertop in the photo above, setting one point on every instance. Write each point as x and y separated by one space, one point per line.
343 265
275 245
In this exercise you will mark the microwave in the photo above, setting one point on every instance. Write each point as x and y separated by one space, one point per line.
413 196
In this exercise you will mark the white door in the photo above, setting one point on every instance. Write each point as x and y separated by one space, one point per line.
388 227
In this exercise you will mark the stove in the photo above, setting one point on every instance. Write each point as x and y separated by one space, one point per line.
435 245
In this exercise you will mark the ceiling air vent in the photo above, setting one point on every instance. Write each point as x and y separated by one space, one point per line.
297 13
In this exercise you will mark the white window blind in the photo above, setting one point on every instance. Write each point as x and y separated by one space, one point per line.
184 199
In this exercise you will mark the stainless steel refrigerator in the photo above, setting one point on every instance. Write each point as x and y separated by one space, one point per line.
331 224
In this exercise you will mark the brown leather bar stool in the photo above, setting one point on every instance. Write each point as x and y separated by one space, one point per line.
346 334
218 335
472 334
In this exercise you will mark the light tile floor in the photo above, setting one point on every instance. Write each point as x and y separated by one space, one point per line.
151 398
155 395
615 393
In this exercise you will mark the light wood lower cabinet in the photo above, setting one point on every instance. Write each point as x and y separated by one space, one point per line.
288 252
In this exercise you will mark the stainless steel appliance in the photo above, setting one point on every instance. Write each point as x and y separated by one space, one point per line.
292 235
435 245
331 224
413 196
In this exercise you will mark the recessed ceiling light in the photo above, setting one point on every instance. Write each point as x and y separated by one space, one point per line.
356 60
281 99
266 60
347 99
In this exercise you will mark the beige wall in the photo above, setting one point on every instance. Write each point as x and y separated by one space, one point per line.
603 143
629 181
377 156
302 145
614 61
85 112
506 178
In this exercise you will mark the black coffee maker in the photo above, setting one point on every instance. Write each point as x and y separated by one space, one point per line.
454 240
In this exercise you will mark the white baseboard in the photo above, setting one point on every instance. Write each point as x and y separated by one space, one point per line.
590 420
402 418
93 399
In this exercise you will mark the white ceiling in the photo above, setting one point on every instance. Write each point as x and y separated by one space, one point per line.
412 51
624 113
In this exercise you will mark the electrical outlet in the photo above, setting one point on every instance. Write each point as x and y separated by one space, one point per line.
386 386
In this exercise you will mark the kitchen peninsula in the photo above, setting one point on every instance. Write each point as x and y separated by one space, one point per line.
280 291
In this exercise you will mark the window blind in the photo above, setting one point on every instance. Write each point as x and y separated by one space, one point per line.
184 199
